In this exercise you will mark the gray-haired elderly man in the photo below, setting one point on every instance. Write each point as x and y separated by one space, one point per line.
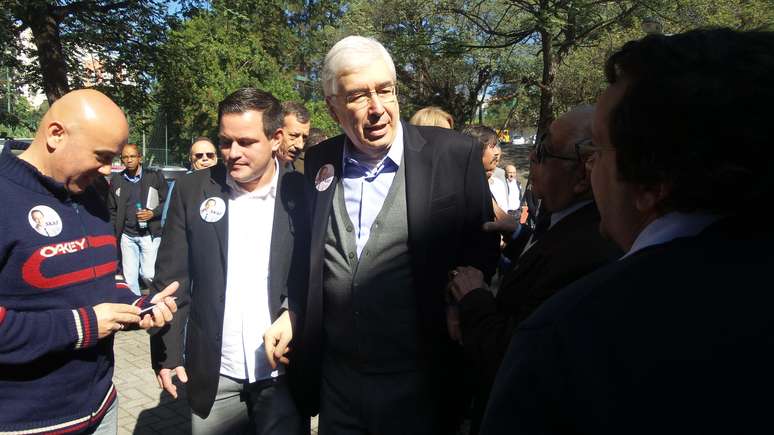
395 208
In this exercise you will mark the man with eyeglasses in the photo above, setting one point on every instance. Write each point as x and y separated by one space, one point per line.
395 208
566 249
676 336
203 154
136 203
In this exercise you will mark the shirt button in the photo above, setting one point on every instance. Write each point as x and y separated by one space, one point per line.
376 224
349 228
351 255
367 253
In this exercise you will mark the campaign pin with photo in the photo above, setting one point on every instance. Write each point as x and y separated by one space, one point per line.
45 221
324 178
212 209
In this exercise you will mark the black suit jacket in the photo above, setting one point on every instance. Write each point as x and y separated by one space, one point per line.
447 199
195 253
677 338
568 251
117 202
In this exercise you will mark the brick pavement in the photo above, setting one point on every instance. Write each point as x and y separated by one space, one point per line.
142 409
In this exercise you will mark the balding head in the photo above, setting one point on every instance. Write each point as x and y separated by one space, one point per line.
559 176
78 138
571 128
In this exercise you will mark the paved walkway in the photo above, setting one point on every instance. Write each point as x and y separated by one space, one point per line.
142 408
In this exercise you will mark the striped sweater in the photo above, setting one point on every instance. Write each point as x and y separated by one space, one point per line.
57 261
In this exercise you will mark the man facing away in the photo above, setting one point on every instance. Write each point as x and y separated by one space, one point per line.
675 337
136 203
59 301
232 234
569 248
394 208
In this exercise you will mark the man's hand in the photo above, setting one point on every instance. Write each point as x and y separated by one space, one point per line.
464 281
144 215
503 224
113 317
164 307
277 338
164 378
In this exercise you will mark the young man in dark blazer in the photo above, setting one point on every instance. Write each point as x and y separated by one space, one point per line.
234 241
136 202
676 336
394 208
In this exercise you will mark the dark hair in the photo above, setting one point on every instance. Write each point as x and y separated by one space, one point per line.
484 135
297 109
133 145
695 115
246 99
315 136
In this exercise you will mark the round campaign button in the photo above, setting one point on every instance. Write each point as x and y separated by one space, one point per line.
324 178
212 209
45 221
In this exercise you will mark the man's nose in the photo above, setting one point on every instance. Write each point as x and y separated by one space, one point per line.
375 105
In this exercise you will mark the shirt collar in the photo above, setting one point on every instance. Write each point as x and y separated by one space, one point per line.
672 226
262 193
388 163
561 214
137 176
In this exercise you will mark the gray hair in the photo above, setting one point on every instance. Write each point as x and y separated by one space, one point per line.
351 54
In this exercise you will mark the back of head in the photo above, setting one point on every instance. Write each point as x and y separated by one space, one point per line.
315 136
247 99
296 109
351 54
432 116
484 135
695 117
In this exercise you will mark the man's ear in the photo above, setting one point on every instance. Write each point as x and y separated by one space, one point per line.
55 134
331 110
277 138
650 198
582 180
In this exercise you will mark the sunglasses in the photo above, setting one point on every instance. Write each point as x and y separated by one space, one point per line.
200 155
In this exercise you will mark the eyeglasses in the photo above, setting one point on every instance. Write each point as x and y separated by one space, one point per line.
198 156
360 99
130 157
541 153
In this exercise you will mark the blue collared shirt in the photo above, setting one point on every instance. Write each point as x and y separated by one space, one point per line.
137 176
366 187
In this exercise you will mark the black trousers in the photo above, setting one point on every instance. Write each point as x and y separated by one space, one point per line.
353 402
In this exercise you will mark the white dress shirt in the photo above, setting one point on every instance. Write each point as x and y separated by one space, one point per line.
499 192
514 195
247 314
672 226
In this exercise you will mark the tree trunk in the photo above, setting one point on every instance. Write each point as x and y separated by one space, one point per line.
547 85
53 67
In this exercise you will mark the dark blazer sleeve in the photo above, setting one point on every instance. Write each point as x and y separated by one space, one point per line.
172 265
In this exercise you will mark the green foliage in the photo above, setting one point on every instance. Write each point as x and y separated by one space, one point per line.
23 119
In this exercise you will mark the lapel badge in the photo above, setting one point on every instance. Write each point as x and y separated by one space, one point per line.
212 209
324 178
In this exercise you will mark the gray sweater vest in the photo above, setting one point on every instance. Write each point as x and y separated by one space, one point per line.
369 302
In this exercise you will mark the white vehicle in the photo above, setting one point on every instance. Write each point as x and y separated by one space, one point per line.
518 140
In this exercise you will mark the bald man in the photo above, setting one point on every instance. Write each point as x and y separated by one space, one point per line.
59 301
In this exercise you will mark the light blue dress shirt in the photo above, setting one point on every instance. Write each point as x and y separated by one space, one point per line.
366 187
